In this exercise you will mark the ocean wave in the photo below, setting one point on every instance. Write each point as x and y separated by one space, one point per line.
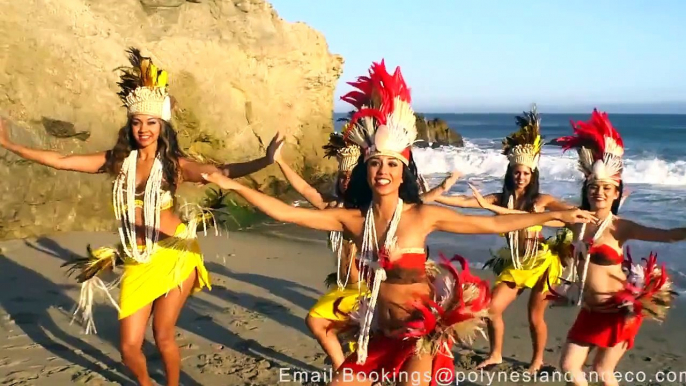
488 163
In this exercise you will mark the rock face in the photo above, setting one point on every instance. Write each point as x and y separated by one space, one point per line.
237 71
436 133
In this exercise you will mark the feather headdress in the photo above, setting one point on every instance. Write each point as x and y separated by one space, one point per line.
600 148
384 123
144 87
346 153
523 147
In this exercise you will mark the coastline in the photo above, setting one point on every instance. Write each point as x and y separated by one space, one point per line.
249 328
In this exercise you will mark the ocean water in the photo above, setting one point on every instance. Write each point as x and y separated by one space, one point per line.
654 175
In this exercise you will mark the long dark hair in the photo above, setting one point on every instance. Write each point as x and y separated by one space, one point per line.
586 205
531 192
359 194
167 146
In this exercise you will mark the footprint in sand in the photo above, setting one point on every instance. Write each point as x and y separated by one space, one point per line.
269 308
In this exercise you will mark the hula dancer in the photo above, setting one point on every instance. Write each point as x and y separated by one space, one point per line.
415 310
614 293
161 258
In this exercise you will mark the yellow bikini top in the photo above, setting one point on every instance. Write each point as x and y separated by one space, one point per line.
166 200
535 228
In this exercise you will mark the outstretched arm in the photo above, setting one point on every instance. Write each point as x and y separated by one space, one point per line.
326 220
85 163
301 186
240 169
630 230
193 171
443 187
497 209
446 220
463 201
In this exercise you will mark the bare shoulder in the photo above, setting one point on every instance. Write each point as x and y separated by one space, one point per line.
427 210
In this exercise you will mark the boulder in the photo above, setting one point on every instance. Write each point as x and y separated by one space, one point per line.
237 71
436 132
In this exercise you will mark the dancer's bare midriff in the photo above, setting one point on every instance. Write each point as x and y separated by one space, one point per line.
602 281
393 304
169 222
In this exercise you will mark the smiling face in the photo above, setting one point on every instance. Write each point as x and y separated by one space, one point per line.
521 175
601 195
145 129
384 174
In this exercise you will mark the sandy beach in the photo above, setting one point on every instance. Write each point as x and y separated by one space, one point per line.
249 329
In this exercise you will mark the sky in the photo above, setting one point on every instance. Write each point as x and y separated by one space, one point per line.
501 56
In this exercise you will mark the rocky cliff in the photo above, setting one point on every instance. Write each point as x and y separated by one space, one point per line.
435 132
237 71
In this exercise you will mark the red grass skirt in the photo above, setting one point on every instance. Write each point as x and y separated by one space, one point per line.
386 356
605 329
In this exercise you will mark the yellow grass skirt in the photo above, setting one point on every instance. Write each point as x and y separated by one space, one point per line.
174 260
533 269
345 300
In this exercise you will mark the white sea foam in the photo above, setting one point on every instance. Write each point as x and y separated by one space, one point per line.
478 161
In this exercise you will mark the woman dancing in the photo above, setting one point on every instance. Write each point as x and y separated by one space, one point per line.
527 260
331 310
163 263
616 294
432 308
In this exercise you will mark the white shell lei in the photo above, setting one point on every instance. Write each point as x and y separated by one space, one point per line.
369 258
581 249
123 196
513 238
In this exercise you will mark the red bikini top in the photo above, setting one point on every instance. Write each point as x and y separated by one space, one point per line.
410 258
605 255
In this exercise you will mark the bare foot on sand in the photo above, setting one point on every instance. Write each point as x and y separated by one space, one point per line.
490 361
534 367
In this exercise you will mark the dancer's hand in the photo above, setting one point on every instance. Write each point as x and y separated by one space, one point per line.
576 216
451 180
4 137
274 149
221 180
479 198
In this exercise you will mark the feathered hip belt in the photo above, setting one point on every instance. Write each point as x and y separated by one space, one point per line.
647 291
454 313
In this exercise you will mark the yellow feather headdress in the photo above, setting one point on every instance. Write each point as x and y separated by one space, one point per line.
523 147
144 87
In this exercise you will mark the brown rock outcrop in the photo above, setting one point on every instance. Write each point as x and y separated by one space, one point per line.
237 71
435 132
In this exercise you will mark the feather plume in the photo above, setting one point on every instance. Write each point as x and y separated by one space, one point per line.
331 280
384 122
599 145
142 72
94 263
523 147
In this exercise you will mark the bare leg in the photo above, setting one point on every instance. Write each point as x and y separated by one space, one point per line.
605 362
348 379
132 331
327 338
572 362
503 295
165 314
416 371
537 325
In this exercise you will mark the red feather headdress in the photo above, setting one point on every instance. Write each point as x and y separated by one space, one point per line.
384 123
600 148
